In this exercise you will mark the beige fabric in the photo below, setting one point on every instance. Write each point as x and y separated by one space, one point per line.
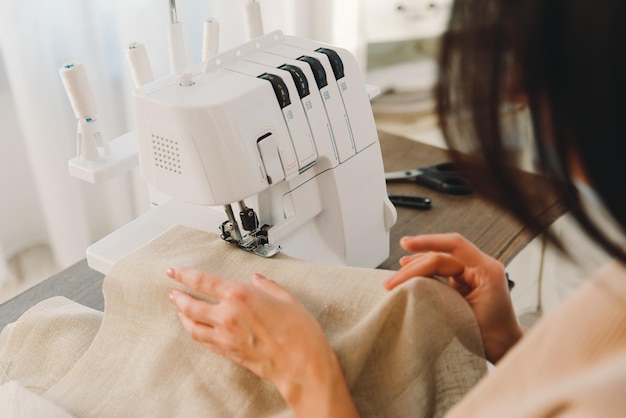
572 364
46 342
414 351
18 402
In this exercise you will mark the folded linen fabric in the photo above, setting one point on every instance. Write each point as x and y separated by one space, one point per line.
46 342
19 402
414 351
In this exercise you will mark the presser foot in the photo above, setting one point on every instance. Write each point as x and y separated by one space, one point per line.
255 242
265 250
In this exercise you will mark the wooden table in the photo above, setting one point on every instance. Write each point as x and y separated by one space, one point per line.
491 230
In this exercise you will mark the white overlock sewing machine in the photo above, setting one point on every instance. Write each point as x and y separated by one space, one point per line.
280 126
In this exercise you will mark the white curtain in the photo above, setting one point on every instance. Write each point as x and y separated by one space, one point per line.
42 203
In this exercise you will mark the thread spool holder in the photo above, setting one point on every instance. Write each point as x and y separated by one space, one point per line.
121 156
91 144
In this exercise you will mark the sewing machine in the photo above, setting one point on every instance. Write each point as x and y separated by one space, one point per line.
282 127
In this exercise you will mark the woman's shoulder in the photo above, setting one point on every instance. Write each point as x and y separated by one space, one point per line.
571 360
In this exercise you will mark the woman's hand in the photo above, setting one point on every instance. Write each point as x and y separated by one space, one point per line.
268 331
479 278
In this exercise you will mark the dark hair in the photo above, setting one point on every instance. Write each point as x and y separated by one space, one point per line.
568 58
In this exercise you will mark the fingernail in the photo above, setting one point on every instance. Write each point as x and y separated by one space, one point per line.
170 272
258 276
171 295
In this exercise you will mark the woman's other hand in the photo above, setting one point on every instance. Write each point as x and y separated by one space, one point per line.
265 329
479 278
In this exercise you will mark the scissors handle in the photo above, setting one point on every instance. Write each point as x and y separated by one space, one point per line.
444 178
450 184
422 203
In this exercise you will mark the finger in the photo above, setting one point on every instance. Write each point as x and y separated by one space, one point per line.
198 331
408 258
201 281
271 287
460 285
225 344
435 264
197 310
453 244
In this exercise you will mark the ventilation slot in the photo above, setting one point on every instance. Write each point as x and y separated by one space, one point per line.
166 154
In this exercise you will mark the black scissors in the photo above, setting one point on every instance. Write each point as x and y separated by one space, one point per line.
441 177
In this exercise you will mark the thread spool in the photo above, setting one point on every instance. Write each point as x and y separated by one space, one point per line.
210 38
139 63
91 143
254 23
78 90
176 47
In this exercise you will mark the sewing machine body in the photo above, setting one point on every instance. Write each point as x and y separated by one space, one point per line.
292 138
